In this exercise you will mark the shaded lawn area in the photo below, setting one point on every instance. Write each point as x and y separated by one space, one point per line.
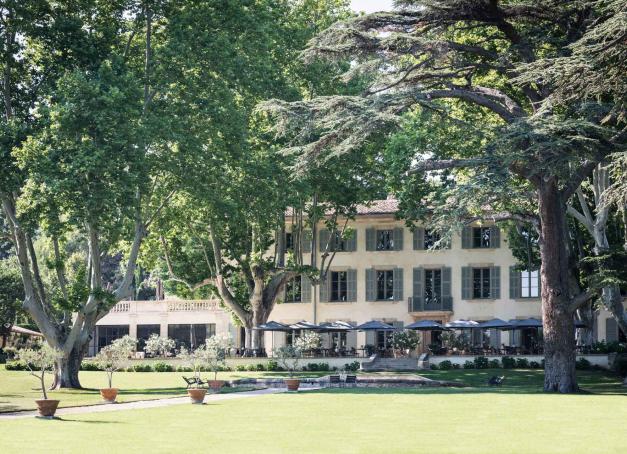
18 390
344 420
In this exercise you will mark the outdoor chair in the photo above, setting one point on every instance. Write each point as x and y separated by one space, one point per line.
194 381
334 380
351 380
496 381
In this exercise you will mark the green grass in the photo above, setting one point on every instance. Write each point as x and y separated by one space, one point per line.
513 419
18 390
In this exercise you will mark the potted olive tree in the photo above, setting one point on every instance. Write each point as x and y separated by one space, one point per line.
404 342
110 359
215 354
39 361
195 359
290 355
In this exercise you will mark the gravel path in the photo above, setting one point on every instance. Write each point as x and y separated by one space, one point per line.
210 398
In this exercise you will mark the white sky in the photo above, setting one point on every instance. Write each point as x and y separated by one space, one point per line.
370 6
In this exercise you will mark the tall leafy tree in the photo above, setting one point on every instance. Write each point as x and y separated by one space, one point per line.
446 55
76 158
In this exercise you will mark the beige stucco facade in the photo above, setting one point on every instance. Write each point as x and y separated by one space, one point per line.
360 310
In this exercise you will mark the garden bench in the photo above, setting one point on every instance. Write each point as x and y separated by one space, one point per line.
194 381
351 380
334 380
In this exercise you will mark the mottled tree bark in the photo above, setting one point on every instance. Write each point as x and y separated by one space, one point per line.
559 329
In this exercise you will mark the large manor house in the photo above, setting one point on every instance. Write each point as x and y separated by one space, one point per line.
385 272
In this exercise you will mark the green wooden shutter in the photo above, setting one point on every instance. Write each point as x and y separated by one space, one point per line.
371 239
397 274
419 239
418 289
467 238
351 241
495 237
306 241
324 289
466 283
495 282
397 236
514 283
305 289
324 239
447 297
611 330
371 284
351 285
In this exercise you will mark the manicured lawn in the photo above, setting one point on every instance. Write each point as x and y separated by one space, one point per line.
514 419
18 390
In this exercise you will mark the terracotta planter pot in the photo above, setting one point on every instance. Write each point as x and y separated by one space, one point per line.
109 394
47 407
197 395
216 384
292 384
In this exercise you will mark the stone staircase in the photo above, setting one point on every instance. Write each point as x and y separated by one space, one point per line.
389 364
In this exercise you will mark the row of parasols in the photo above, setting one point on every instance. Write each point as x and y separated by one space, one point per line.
421 325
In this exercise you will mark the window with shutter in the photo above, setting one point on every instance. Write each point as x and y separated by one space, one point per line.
467 286
495 282
351 290
514 283
397 239
481 237
611 330
419 238
305 289
338 286
293 290
371 286
466 238
432 237
529 284
398 284
306 241
324 289
495 237
384 240
324 238
371 241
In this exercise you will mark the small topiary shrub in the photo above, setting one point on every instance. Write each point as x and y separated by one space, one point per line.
494 364
240 367
251 368
352 367
469 365
456 366
324 367
184 369
583 364
16 365
312 367
140 368
86 365
508 362
522 363
481 362
260 367
163 367
446 365
433 367
272 366
535 365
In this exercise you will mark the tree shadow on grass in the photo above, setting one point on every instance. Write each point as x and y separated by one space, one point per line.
82 421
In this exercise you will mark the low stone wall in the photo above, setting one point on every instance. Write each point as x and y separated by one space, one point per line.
600 360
